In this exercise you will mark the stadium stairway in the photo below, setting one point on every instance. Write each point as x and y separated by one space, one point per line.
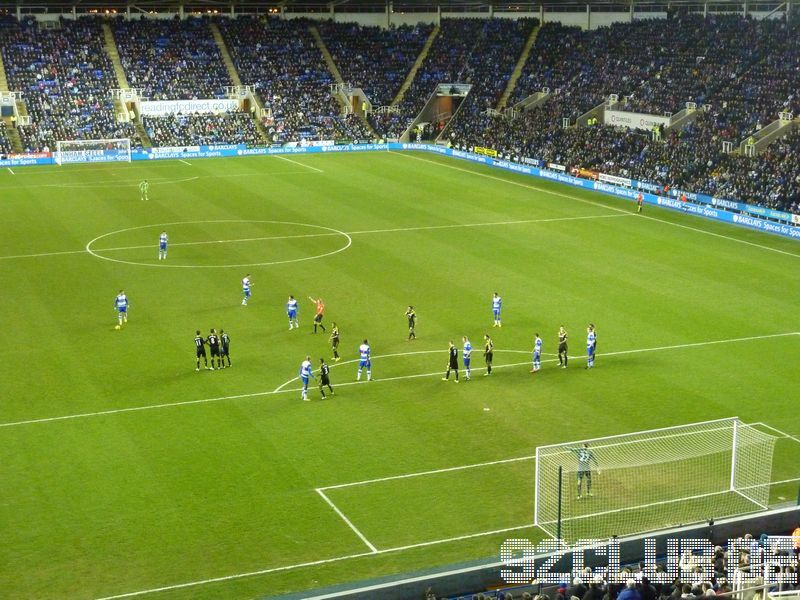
3 79
337 76
13 136
113 54
415 67
226 56
523 58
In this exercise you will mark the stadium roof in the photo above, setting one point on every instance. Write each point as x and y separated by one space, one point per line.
264 6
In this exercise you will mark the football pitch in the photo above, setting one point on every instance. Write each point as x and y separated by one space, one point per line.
126 473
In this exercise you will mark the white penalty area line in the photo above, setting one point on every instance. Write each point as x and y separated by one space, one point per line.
10 171
327 234
349 523
585 201
186 162
281 389
298 163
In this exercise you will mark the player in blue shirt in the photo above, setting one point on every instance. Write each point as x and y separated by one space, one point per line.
246 289
467 354
121 305
590 340
364 361
306 371
537 354
162 246
497 305
291 310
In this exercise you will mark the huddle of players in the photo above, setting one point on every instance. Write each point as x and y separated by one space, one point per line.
219 347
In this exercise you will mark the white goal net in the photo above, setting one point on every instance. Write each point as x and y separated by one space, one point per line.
83 151
650 480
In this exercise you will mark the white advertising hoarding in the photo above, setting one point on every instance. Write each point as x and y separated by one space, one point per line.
159 108
633 120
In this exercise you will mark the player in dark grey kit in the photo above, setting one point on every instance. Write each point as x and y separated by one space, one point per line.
224 347
200 349
562 348
213 345
324 377
452 362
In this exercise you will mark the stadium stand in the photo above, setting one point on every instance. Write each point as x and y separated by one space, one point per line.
374 59
280 59
194 129
171 60
66 78
745 71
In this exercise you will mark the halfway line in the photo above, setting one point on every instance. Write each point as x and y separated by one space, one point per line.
312 235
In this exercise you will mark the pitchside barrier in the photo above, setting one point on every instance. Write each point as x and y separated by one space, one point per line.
718 209
494 573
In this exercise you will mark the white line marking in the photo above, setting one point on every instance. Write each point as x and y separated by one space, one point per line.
361 536
185 162
584 200
233 241
330 230
431 472
10 171
397 378
298 163
782 433
362 232
317 562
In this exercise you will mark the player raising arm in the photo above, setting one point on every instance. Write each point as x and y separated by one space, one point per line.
319 307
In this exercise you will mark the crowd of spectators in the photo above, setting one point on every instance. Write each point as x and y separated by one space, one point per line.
281 60
375 59
66 77
770 179
5 143
171 59
203 129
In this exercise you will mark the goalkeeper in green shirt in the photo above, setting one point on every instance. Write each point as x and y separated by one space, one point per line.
586 460
144 188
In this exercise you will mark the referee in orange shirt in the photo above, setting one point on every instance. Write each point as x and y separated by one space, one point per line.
318 316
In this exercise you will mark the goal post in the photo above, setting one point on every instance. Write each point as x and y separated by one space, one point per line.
85 151
647 480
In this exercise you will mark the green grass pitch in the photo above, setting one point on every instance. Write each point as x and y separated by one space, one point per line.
217 475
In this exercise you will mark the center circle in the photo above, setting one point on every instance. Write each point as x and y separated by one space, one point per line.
321 231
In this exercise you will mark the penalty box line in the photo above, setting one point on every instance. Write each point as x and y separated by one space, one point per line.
280 390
